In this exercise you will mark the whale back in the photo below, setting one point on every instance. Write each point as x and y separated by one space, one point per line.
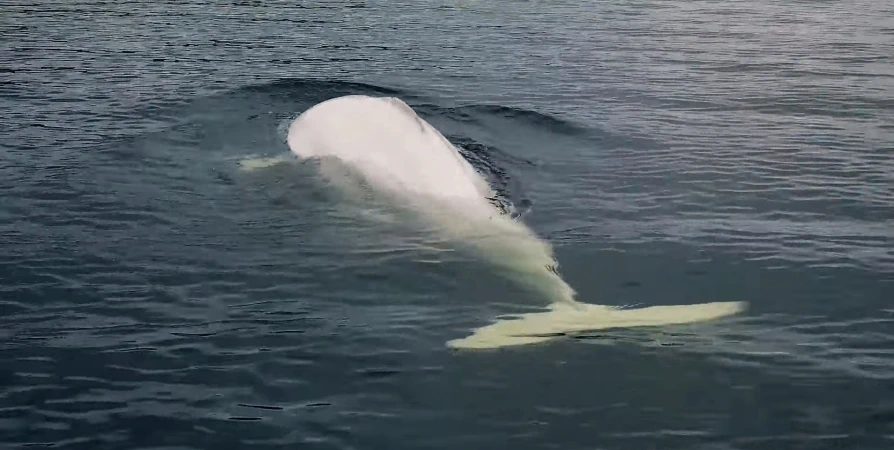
385 143
384 139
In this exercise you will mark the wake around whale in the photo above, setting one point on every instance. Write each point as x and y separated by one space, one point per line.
400 155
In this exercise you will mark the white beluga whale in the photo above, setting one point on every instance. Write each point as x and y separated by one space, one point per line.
409 162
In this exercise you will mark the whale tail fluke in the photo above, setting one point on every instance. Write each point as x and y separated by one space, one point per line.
573 317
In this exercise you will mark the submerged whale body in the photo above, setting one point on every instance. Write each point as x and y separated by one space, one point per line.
402 156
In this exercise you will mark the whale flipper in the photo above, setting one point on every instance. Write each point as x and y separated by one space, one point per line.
252 164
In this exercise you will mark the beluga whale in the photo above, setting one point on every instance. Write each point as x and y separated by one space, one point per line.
405 159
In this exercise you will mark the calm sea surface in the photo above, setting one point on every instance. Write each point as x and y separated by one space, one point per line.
153 295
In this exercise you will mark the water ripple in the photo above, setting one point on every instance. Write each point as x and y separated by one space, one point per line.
678 150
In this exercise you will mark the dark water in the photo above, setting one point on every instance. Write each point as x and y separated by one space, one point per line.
152 295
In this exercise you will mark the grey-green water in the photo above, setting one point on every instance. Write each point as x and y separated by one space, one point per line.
154 296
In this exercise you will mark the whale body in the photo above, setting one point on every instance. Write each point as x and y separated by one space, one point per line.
404 158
